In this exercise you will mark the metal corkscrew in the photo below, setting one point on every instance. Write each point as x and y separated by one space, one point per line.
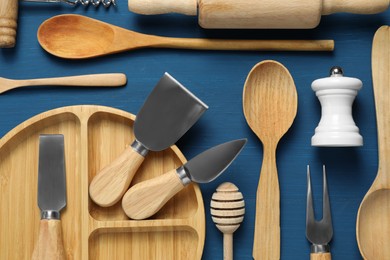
96 3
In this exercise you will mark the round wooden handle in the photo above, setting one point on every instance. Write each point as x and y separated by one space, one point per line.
109 185
355 6
320 256
8 23
146 198
49 245
187 7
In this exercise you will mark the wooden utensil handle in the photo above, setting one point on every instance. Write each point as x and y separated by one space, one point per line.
246 45
109 185
355 6
8 23
266 243
228 246
95 80
146 198
320 256
380 77
50 245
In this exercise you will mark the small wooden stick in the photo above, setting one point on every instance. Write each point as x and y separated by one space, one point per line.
227 211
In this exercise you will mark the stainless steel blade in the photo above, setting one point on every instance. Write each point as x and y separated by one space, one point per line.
51 175
167 114
208 165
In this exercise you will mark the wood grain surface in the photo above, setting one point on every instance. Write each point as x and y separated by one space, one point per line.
218 78
88 230
373 221
8 23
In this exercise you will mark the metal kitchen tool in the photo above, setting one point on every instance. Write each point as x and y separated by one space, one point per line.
336 94
94 80
96 3
146 198
319 233
227 211
373 221
51 197
80 37
167 114
270 104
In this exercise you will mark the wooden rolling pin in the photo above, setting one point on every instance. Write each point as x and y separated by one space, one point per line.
8 22
260 14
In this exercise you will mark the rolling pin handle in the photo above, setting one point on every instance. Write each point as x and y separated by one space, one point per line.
355 6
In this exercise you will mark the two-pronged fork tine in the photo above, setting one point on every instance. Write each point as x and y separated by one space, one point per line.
319 233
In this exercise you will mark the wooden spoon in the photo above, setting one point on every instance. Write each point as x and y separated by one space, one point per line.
270 106
373 220
93 80
80 37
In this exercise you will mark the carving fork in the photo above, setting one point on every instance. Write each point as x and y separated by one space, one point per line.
319 233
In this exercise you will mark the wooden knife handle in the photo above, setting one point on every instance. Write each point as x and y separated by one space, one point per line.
355 6
320 256
50 245
8 23
146 198
109 185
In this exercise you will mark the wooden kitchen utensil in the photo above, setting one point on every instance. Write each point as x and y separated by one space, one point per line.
373 220
270 106
93 80
79 37
261 14
94 136
227 211
8 23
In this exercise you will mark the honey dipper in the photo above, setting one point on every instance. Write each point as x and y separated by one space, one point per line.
227 211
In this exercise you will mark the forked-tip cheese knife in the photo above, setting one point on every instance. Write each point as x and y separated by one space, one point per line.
51 198
146 198
167 114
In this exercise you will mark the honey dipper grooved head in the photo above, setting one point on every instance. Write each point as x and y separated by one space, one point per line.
227 208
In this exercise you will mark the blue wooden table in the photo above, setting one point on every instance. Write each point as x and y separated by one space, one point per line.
218 78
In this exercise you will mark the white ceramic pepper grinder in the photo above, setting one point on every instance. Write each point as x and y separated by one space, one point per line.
336 94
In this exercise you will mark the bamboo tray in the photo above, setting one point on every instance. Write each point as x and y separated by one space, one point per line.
94 136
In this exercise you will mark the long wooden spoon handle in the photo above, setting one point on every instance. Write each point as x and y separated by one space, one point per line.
246 45
319 256
381 83
93 80
266 243
146 198
50 245
109 185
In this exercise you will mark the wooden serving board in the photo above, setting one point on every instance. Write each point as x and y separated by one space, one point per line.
94 136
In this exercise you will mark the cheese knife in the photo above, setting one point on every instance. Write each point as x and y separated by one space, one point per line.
167 114
146 198
51 198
